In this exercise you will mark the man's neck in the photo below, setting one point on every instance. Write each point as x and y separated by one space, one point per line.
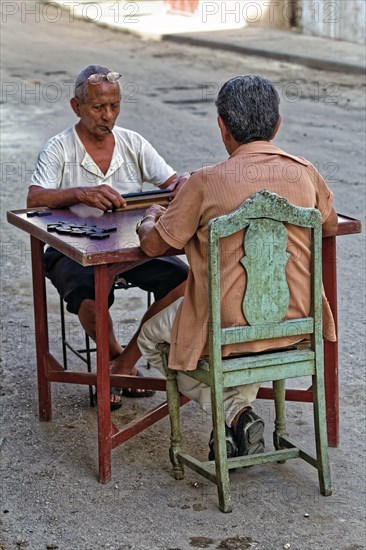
241 144
101 151
97 142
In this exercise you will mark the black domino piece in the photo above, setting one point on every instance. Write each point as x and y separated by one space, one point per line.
39 213
52 227
99 236
42 213
63 231
78 232
109 230
65 226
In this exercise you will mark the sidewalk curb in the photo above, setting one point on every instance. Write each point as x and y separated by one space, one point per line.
321 54
322 64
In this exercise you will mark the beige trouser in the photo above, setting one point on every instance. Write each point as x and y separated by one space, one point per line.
158 329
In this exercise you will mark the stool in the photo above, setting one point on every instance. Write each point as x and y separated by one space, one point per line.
85 353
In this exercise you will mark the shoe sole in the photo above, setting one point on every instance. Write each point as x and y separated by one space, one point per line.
230 452
137 394
253 438
231 448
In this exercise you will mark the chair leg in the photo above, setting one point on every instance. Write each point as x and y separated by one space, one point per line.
321 439
222 471
279 389
172 394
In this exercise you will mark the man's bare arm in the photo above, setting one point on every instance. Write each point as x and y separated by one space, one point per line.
100 196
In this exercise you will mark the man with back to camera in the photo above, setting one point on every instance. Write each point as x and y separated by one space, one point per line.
93 163
248 117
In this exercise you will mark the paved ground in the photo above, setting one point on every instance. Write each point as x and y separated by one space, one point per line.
216 27
49 493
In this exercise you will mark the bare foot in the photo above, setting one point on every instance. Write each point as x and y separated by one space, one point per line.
118 366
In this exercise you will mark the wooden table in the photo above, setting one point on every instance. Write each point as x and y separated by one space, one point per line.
112 256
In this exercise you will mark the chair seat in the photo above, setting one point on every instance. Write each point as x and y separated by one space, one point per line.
259 367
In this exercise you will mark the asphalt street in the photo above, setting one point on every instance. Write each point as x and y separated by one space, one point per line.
50 497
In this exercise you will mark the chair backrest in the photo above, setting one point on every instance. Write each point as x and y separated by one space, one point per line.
267 295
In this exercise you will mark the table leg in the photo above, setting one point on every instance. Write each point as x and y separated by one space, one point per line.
331 348
41 330
103 380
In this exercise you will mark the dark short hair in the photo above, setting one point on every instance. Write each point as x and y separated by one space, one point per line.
81 82
249 107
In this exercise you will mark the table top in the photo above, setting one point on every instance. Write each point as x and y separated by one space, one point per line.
121 245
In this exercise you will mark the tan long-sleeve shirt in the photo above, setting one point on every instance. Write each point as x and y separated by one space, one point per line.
217 190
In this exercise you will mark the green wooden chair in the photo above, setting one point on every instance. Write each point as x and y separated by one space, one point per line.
265 305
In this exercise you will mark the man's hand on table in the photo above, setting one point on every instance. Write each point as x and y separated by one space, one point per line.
103 197
150 241
176 183
152 214
155 211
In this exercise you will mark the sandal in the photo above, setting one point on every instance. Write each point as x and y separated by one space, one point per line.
128 392
115 405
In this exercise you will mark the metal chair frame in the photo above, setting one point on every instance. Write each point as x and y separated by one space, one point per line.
85 354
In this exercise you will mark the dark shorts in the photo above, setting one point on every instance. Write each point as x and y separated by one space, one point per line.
75 283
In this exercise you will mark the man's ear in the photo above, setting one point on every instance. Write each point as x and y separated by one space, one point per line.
225 134
75 106
223 129
277 127
230 143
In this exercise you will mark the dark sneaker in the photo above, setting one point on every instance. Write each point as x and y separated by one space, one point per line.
231 448
249 434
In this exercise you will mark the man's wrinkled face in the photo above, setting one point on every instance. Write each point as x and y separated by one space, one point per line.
99 112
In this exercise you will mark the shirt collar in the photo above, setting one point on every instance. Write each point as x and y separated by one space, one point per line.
89 165
265 147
